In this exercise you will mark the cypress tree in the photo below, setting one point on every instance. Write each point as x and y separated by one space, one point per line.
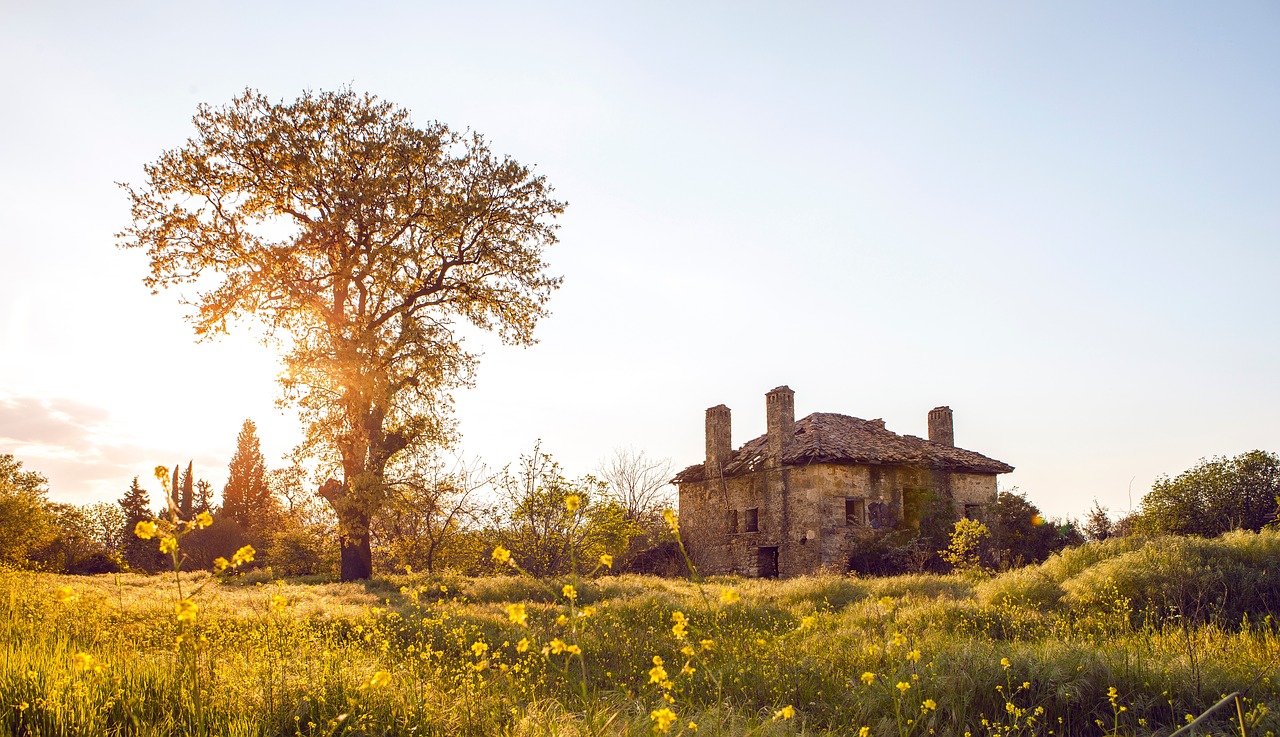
246 499
184 500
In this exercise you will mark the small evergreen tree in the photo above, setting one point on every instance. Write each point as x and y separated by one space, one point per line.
1097 523
246 499
203 501
137 553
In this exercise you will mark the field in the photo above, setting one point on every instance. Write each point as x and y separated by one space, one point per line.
1123 637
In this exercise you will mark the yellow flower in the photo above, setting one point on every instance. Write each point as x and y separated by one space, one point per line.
220 564
501 555
66 594
279 603
807 621
573 650
678 629
243 555
785 712
657 660
185 610
670 517
523 645
1005 663
444 589
914 656
729 596
707 644
606 560
587 611
886 602
657 674
168 545
929 705
572 502
558 646
82 661
569 592
562 620
479 647
868 678
687 651
146 529
693 727
662 719
898 639
517 614
903 686
866 732
203 520
379 679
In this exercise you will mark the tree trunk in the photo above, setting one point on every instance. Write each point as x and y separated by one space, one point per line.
357 558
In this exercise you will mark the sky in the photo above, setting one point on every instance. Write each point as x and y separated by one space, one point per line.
1062 220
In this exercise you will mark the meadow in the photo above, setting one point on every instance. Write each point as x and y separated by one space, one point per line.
1127 636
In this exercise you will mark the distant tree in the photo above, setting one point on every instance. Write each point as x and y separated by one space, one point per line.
303 541
359 240
203 501
1213 497
74 548
1097 523
26 523
430 503
642 485
1025 536
247 499
186 490
138 554
106 523
554 525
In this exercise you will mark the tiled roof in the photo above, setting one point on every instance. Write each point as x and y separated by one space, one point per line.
824 437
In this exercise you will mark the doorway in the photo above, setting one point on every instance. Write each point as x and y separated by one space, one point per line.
767 562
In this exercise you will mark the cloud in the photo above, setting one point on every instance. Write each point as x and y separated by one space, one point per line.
75 445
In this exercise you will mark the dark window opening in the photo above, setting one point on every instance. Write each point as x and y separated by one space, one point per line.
973 511
855 512
753 520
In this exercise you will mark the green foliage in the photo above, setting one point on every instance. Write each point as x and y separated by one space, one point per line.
555 525
26 523
1214 496
968 543
135 552
1025 536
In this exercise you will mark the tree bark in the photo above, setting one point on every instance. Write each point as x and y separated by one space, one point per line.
353 533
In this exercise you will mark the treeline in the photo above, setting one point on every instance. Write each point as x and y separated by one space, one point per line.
434 515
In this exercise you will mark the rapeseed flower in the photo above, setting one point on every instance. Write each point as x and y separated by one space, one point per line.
707 644
168 545
82 661
278 603
662 719
572 502
379 679
929 705
243 555
203 520
516 613
606 560
501 555
479 647
66 594
146 529
868 678
523 645
903 686
785 712
729 596
1005 662
185 610
569 592
669 516
220 564
914 656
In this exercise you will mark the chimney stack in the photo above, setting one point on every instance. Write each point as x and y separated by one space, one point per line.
719 440
941 429
780 409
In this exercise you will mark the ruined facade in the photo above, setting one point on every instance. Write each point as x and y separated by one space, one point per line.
802 496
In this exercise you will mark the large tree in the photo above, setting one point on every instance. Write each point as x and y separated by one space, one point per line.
359 240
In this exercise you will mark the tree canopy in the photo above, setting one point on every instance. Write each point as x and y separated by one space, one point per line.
362 242
1214 496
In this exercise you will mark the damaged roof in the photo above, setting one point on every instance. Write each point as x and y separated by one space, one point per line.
825 437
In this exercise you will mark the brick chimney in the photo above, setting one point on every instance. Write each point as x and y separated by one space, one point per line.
719 439
940 427
780 408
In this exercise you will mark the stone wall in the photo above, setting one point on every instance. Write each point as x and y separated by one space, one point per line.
801 510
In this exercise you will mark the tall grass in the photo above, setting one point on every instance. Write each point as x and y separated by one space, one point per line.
1098 640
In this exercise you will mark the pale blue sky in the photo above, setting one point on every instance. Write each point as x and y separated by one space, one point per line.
1061 220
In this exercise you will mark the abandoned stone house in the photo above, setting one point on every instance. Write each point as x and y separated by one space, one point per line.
800 497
